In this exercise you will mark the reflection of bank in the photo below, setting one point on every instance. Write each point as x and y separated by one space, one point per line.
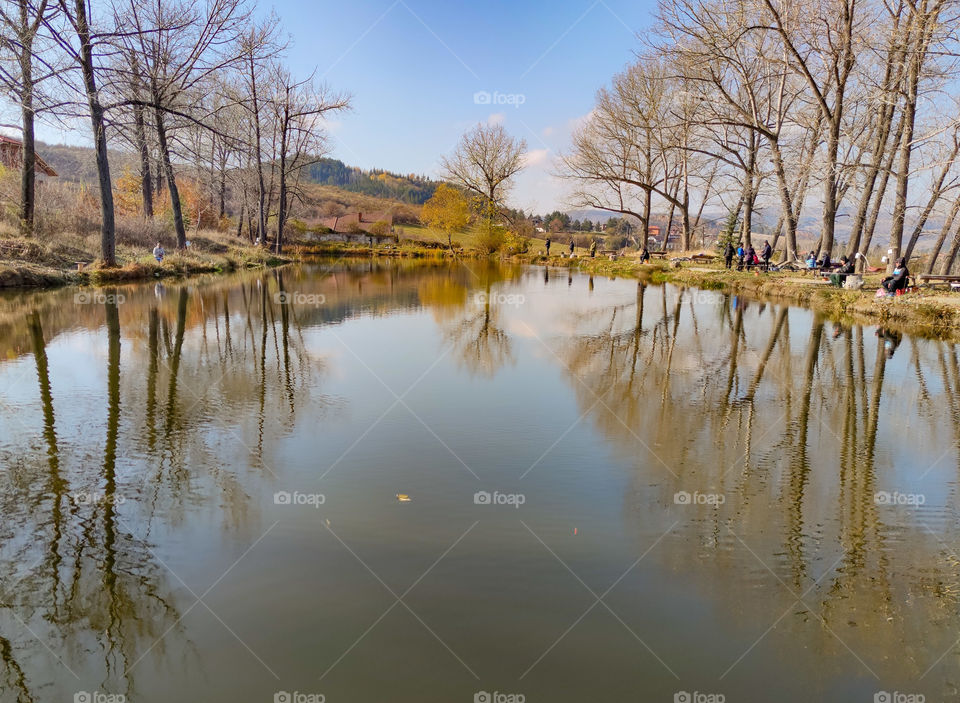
94 596
787 430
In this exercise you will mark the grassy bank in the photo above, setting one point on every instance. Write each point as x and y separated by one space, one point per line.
73 259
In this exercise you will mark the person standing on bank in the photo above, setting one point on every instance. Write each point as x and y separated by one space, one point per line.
765 254
728 253
548 246
572 247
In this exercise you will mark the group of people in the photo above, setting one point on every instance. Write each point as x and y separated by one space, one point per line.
891 285
748 257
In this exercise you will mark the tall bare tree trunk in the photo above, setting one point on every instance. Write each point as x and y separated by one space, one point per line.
108 250
171 179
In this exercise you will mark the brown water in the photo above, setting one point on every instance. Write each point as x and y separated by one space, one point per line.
616 492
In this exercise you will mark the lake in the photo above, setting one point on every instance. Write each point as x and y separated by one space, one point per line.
401 481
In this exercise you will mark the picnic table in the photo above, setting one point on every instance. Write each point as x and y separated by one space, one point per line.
662 254
932 279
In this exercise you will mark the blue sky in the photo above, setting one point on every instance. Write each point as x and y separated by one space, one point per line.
413 68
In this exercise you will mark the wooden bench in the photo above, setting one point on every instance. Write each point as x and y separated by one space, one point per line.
658 254
931 279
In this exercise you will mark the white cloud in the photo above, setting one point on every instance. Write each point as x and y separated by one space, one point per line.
496 118
535 157
549 131
578 122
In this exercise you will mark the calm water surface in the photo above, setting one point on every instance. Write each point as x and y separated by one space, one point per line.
617 492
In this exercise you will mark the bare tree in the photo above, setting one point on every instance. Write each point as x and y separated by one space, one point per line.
20 22
299 110
178 46
483 163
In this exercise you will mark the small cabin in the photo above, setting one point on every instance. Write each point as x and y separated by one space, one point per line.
11 156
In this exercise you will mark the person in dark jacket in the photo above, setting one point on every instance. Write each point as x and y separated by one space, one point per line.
572 246
751 256
548 246
840 277
644 256
765 254
898 281
825 262
728 253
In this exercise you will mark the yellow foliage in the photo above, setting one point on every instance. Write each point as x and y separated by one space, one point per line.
447 211
127 194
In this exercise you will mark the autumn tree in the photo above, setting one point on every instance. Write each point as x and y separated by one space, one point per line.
447 211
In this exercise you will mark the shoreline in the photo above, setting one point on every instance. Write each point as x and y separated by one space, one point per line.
927 313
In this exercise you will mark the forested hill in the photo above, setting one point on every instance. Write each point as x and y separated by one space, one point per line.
78 163
412 189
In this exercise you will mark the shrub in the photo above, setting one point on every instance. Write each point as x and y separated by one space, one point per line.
491 238
615 241
516 243
380 228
